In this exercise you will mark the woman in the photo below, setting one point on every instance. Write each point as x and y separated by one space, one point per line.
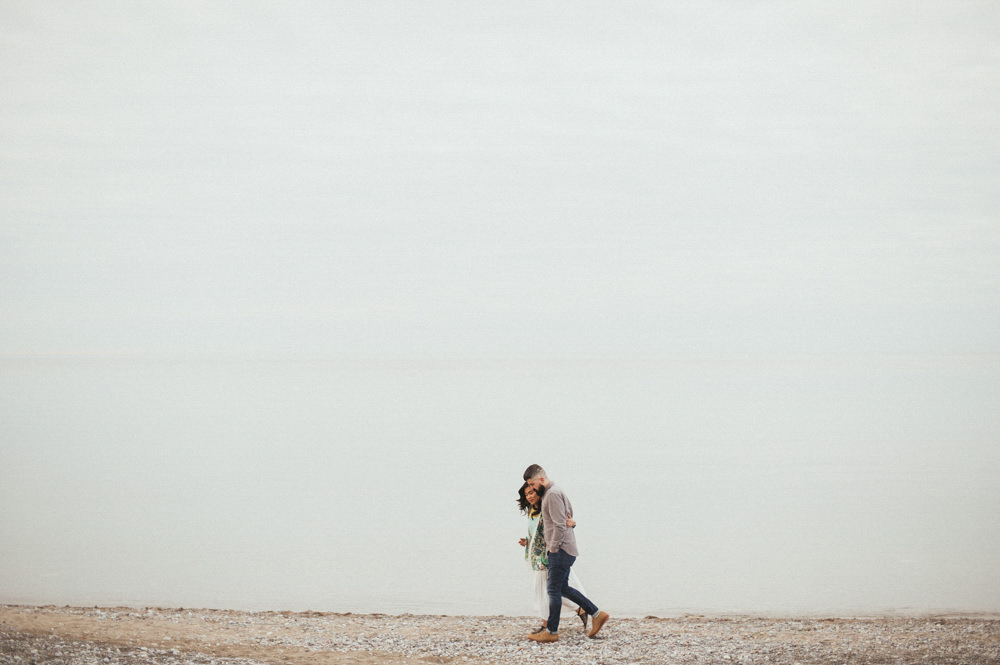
537 554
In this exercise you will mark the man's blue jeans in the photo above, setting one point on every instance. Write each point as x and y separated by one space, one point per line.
559 565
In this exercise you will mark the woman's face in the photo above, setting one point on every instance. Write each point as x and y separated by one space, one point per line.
530 495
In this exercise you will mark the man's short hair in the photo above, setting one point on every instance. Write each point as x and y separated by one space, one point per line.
534 471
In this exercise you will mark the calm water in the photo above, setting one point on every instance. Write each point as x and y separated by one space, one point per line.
806 484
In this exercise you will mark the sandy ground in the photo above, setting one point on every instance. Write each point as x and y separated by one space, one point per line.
130 636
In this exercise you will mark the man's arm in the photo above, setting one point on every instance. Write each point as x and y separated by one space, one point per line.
555 522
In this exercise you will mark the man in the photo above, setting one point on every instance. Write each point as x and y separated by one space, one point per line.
561 544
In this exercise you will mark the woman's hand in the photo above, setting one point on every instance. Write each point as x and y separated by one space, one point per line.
570 522
523 542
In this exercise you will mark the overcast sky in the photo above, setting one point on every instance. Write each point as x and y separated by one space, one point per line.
500 186
494 179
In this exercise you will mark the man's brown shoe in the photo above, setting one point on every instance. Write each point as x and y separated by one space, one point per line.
599 620
543 636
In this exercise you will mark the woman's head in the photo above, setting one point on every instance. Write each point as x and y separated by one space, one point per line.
527 499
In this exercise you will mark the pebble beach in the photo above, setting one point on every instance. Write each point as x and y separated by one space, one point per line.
157 636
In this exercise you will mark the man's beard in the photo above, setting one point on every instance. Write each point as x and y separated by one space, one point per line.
540 491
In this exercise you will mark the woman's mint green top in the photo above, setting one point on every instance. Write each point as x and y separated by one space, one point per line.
535 551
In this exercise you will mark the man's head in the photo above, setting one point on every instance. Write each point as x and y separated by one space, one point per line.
536 477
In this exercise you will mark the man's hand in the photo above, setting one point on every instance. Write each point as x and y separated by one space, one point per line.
523 542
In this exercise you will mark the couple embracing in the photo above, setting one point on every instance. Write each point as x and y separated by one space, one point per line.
551 548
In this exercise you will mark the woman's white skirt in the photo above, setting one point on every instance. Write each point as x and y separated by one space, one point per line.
542 594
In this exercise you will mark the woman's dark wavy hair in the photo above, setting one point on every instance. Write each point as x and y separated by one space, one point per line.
522 500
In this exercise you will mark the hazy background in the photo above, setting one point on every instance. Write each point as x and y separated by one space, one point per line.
291 295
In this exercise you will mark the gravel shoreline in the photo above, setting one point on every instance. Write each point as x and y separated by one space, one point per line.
130 636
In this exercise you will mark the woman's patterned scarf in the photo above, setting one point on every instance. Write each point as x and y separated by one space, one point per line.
537 552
